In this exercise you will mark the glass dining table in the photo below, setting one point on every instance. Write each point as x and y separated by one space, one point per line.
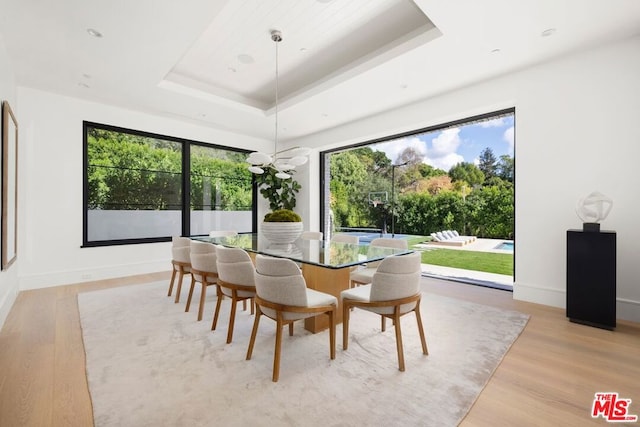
325 265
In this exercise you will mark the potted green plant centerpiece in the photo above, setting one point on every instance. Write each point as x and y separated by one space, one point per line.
281 226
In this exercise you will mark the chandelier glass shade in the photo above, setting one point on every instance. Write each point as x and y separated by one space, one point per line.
283 161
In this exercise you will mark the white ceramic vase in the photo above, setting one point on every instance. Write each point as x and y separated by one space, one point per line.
281 234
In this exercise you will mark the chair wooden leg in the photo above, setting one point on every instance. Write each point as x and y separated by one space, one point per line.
276 354
203 296
332 334
173 278
420 329
193 285
232 317
253 305
254 332
396 321
217 312
291 328
179 288
345 325
383 323
244 305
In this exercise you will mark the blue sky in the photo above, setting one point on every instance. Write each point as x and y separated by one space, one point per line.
443 149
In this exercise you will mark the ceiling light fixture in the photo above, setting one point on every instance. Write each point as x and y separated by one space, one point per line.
284 161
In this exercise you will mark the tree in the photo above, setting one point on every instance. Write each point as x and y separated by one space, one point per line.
434 185
506 167
349 179
427 171
467 172
411 156
488 163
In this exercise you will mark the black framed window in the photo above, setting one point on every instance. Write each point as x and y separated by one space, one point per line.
363 185
141 187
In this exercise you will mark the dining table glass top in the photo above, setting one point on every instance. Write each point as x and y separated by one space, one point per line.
316 252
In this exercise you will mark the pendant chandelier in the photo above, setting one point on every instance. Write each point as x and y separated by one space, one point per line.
284 161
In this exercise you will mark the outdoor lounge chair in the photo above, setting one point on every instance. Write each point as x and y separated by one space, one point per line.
449 240
470 238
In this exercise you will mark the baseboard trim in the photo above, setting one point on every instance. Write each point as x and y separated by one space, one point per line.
47 280
626 309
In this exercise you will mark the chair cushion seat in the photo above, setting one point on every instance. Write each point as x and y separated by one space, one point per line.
316 298
363 294
363 275
359 293
241 294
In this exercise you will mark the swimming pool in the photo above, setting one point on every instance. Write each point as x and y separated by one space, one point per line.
506 246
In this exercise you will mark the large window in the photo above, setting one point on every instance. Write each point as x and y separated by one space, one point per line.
457 175
141 187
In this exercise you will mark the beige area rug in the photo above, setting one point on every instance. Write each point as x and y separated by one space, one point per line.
151 364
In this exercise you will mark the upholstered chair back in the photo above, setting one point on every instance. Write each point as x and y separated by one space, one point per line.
396 277
234 266
180 249
386 242
346 238
280 281
203 258
223 233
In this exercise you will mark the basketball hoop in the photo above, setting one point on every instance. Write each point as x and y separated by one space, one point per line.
378 198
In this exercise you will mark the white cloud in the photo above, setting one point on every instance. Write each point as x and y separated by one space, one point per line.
508 136
443 153
446 143
394 148
445 162
493 123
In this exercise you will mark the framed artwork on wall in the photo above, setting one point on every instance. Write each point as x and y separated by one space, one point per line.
9 186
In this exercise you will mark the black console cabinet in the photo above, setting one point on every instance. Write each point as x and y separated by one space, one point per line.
591 278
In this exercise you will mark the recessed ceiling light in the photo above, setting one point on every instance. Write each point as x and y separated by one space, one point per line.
303 50
84 85
496 50
94 33
548 32
245 59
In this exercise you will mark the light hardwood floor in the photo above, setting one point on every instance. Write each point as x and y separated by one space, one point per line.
548 378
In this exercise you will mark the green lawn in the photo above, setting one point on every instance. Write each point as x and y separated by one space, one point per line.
470 260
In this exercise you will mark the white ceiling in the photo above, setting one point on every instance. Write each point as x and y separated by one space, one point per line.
213 62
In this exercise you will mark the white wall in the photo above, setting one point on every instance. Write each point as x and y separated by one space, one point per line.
577 130
50 190
9 277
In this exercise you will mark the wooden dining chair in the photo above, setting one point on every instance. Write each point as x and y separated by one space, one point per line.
180 262
235 280
283 296
311 235
223 233
394 292
204 270
346 238
364 275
